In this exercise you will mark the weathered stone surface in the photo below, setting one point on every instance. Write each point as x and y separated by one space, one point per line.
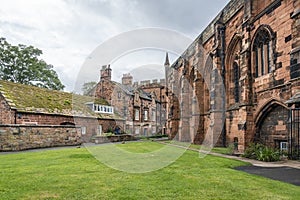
147 98
252 102
113 138
21 137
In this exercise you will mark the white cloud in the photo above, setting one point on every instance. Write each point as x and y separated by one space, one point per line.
69 30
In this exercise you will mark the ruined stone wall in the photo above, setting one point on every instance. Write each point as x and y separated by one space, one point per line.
40 118
91 124
7 115
21 137
241 21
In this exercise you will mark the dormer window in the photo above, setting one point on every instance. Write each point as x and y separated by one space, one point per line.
101 108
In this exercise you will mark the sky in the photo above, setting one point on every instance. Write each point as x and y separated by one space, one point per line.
132 35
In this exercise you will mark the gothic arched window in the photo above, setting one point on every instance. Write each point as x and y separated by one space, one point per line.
233 68
262 53
236 77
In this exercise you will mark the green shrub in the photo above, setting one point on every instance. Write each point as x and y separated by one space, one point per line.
252 150
262 153
109 134
230 149
109 130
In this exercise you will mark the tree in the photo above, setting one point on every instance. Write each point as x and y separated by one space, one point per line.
20 64
87 87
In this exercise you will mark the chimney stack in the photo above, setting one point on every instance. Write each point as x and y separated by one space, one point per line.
105 73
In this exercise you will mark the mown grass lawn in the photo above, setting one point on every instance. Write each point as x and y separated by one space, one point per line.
221 150
76 174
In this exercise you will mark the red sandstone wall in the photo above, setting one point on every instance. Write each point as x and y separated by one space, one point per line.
21 137
255 93
7 116
91 124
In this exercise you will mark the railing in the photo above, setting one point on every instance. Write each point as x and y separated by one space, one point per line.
294 135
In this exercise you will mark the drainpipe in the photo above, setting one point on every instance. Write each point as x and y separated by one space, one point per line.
222 54
15 116
160 110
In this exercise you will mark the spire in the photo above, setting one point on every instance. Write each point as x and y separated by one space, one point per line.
167 63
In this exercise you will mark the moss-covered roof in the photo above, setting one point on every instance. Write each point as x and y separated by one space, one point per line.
25 98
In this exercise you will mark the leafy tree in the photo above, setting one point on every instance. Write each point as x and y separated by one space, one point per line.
87 87
20 64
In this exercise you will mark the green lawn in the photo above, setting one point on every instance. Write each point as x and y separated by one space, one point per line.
76 174
221 150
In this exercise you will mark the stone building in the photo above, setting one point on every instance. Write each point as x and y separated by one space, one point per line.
33 106
251 50
141 106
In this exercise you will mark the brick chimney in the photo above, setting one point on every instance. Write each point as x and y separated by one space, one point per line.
127 79
105 73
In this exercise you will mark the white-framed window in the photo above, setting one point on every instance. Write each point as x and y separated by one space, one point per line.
145 115
137 130
153 130
283 146
153 115
136 114
103 109
119 95
83 130
99 130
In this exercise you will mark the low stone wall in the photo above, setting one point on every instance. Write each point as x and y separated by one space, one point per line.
21 137
113 138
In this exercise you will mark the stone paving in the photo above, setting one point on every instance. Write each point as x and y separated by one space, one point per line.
285 174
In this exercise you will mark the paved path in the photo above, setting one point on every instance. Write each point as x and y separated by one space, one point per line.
285 174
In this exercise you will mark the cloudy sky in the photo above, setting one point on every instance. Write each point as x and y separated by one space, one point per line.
69 31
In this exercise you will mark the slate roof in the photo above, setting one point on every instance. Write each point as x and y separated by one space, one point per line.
294 99
25 98
131 90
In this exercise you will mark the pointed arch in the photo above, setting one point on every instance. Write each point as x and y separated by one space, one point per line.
232 64
235 41
263 50
271 124
267 107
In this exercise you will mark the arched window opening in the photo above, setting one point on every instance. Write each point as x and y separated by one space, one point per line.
262 53
236 77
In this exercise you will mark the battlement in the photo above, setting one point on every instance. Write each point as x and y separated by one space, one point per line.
127 75
127 79
149 82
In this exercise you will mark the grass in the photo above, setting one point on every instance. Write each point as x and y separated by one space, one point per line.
35 99
76 174
221 150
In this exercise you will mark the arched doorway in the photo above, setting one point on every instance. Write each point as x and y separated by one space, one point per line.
272 126
67 124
